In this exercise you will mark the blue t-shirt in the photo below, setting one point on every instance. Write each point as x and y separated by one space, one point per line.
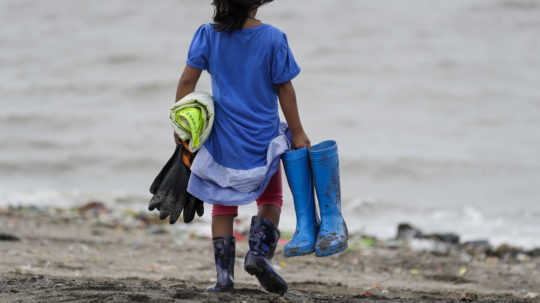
244 65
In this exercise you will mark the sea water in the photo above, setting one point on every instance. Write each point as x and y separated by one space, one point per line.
435 105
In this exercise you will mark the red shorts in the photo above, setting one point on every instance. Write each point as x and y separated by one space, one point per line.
273 195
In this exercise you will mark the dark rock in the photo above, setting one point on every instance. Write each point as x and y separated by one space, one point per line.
505 251
449 238
448 278
96 232
6 237
406 231
535 253
156 230
477 247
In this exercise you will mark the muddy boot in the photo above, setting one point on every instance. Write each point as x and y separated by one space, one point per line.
333 235
224 252
298 171
263 238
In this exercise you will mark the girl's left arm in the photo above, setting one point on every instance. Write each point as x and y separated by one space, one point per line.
287 99
186 85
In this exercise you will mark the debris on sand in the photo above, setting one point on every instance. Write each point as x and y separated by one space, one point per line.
95 207
406 232
448 243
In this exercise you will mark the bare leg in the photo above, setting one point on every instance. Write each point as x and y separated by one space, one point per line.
222 226
270 213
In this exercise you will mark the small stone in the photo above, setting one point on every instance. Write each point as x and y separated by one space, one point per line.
406 231
522 257
469 297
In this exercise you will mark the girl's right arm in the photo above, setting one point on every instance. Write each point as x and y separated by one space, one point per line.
186 85
287 100
188 82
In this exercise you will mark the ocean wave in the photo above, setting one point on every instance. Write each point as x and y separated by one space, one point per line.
47 167
419 168
120 59
55 198
506 5
151 87
63 88
46 120
520 4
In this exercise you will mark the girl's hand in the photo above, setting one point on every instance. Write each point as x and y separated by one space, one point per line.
301 140
177 139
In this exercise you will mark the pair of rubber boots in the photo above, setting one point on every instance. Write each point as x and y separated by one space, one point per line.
328 235
263 239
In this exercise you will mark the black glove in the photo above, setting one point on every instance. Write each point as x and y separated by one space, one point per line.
169 190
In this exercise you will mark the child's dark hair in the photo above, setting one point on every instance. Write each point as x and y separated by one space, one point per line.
230 15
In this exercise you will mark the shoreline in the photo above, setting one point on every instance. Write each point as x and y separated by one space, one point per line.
84 253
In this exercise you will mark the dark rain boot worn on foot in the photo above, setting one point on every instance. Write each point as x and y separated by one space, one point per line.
333 235
263 238
300 178
224 252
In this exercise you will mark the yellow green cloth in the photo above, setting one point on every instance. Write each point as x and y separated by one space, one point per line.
192 118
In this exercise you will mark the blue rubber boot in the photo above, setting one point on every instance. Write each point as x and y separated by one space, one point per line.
298 171
224 253
333 234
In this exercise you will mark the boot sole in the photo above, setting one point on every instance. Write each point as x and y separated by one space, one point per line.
268 280
331 250
221 290
295 252
336 249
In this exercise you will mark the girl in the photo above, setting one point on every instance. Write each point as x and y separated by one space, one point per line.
251 66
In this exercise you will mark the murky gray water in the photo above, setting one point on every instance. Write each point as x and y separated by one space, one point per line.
435 104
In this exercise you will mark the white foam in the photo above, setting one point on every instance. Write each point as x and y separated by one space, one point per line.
67 199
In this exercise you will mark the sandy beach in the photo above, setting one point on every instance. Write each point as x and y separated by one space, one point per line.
81 256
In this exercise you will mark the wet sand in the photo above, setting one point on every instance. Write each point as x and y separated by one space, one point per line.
84 259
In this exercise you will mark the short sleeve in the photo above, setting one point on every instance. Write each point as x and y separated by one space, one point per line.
284 67
199 49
